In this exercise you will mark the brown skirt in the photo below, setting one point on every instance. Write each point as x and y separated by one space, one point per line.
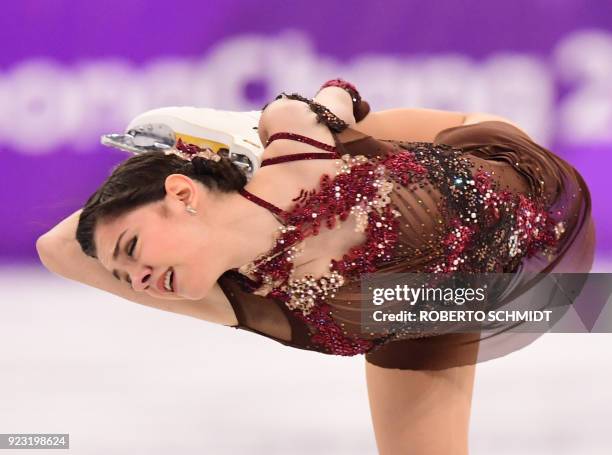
529 167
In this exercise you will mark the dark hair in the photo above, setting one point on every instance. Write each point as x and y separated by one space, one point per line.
140 180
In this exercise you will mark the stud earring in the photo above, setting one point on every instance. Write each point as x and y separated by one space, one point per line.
191 210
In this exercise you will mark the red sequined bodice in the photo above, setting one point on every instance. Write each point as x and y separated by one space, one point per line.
359 186
363 185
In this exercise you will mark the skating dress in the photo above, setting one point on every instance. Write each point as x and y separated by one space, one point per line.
479 198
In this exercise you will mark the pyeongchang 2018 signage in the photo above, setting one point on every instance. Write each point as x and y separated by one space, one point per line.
72 105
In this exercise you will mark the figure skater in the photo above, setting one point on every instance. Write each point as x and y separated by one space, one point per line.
340 191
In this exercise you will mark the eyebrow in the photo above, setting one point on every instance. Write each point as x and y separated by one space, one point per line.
116 253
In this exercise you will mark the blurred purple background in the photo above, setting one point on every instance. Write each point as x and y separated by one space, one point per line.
72 70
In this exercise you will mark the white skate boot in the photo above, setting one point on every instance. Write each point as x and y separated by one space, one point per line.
231 133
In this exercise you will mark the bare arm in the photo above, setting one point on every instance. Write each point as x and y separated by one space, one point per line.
411 125
60 253
416 125
477 117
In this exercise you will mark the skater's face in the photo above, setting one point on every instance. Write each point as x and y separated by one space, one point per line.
139 247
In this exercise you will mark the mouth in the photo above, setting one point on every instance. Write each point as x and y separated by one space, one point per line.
165 283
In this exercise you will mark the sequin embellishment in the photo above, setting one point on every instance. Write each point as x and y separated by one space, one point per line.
360 187
482 229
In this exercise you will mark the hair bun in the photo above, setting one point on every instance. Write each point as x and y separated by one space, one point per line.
224 174
202 165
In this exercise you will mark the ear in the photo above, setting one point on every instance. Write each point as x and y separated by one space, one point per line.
183 189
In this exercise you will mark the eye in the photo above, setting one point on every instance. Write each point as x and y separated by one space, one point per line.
132 247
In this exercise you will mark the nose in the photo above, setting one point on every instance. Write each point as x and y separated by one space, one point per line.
141 279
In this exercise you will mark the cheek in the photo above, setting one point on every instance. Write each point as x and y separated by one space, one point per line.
183 246
163 246
195 267
194 248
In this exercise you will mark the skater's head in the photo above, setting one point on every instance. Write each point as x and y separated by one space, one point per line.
162 208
